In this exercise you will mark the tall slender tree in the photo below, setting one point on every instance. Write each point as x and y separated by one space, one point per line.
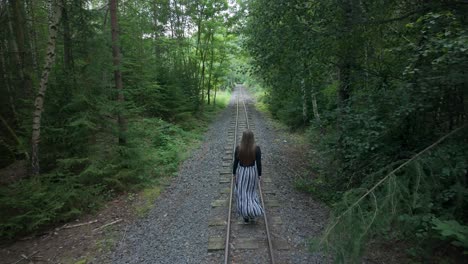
39 102
23 47
122 122
67 41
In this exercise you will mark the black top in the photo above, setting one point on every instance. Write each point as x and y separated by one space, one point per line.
258 159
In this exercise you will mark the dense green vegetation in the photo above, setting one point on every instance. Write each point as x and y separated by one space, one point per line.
117 91
381 87
101 97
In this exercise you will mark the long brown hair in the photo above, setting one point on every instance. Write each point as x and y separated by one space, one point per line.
247 147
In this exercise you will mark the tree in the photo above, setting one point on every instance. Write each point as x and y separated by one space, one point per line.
22 47
387 78
73 137
39 102
122 122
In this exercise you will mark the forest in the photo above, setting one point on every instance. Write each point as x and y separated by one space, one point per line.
381 88
103 97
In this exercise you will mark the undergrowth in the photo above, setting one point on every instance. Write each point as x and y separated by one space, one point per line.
420 201
259 94
82 183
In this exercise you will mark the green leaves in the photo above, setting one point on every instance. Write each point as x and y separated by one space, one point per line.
453 231
389 79
163 103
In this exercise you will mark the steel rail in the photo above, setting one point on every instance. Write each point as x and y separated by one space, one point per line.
270 244
228 229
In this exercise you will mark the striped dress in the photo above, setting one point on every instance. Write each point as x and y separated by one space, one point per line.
247 177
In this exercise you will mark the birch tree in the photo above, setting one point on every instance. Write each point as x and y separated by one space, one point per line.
39 101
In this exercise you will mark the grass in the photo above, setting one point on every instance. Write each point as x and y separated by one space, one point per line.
148 196
260 102
259 95
222 98
182 147
106 244
81 184
172 150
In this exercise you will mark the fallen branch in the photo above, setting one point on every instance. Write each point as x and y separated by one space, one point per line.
77 225
123 237
24 257
108 224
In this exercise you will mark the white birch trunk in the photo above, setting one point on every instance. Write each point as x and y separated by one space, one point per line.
315 108
39 102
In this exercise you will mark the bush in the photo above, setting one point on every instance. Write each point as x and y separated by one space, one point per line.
80 184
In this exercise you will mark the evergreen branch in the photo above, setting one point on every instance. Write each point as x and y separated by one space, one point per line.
12 132
418 183
379 22
386 177
373 217
418 11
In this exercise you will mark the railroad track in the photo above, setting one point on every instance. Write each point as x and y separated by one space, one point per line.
242 242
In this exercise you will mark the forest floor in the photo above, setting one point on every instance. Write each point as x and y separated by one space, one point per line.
168 223
73 241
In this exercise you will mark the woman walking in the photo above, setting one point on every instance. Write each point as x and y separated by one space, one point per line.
247 170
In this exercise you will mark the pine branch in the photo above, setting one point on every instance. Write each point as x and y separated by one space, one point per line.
379 22
386 177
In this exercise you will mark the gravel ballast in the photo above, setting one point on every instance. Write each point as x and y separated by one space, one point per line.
176 229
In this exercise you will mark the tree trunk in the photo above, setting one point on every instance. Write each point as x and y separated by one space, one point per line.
345 61
211 72
202 77
39 102
214 98
304 101
156 29
122 122
67 42
22 41
14 46
344 74
315 108
345 53
33 38
104 24
6 80
199 22
198 50
204 56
